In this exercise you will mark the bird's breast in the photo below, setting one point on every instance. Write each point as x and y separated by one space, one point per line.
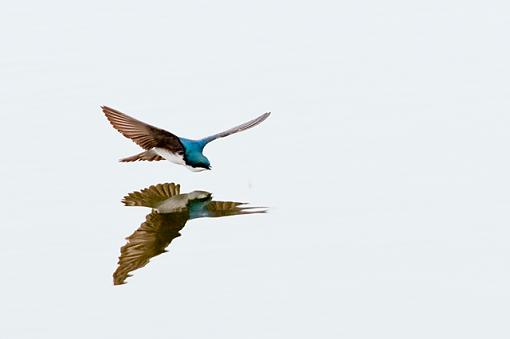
195 169
170 156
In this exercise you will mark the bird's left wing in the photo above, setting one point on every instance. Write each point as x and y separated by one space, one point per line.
228 208
144 135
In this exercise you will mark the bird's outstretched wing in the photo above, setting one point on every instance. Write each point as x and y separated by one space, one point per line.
215 209
144 135
149 240
228 208
242 127
152 196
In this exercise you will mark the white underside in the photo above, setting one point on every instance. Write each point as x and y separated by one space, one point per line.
175 158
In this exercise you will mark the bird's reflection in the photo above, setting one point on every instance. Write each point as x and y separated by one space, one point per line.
170 212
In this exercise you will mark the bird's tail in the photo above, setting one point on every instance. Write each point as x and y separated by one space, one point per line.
149 155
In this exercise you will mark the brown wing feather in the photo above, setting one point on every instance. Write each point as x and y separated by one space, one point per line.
144 135
227 208
149 240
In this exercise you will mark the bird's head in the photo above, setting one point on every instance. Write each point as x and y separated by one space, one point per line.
199 163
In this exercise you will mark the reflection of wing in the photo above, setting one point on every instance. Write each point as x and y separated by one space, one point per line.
149 240
152 196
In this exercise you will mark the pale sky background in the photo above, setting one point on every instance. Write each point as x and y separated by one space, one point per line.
384 164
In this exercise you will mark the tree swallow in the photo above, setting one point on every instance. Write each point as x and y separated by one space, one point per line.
160 144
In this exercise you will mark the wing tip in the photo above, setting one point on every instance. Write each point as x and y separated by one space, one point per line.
261 118
108 110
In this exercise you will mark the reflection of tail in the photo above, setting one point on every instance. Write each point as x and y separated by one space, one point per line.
152 196
149 155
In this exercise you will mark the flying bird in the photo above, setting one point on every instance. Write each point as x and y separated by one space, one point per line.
160 144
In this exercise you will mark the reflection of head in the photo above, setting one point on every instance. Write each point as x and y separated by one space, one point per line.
171 211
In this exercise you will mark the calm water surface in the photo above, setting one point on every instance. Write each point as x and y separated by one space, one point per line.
382 170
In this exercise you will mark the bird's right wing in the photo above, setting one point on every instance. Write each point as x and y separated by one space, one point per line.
144 135
149 240
153 195
237 129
